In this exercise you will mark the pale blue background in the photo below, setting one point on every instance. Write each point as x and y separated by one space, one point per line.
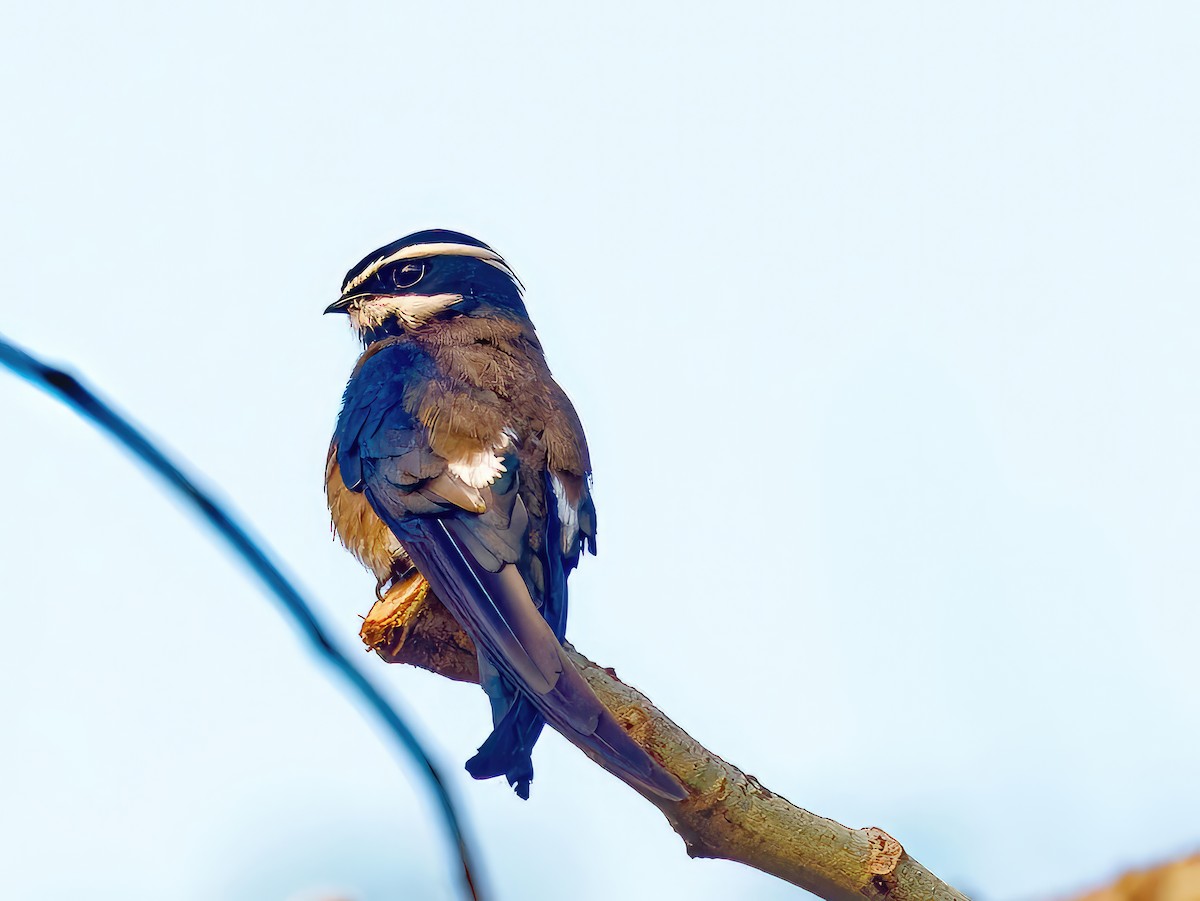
882 319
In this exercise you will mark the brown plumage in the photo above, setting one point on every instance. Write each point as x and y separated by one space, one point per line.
458 454
491 369
358 527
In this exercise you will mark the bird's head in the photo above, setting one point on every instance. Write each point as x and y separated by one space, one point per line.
425 276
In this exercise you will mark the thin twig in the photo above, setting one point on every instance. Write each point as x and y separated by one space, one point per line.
72 392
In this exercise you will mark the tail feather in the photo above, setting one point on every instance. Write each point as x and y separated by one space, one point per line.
517 724
499 613
507 751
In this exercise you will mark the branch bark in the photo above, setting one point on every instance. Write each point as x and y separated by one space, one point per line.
729 814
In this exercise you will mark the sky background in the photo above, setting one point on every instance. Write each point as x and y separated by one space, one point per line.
883 323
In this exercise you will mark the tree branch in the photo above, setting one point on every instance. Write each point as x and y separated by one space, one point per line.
729 814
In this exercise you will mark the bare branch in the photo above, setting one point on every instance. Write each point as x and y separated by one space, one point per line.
729 815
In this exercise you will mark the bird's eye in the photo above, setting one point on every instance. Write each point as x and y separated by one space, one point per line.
408 275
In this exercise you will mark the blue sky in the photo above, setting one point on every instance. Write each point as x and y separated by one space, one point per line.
882 322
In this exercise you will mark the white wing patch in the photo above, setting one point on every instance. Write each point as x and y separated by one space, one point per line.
568 515
483 467
479 469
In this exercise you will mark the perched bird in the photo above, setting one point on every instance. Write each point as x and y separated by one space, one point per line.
458 454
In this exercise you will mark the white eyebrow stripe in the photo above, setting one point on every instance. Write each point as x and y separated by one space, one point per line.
503 267
417 251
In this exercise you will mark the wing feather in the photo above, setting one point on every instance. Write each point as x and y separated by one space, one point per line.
473 546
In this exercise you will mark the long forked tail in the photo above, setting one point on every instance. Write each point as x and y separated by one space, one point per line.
507 751
498 612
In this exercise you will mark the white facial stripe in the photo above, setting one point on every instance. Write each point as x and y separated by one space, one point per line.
412 309
503 267
417 251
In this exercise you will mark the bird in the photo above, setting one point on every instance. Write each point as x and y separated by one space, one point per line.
457 457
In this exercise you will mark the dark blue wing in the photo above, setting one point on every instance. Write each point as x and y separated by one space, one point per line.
480 565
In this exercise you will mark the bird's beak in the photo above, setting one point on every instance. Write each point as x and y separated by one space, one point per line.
342 304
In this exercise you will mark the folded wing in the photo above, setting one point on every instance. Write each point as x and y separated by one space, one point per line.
473 546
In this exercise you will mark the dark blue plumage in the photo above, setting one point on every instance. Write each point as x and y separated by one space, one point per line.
429 236
473 458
